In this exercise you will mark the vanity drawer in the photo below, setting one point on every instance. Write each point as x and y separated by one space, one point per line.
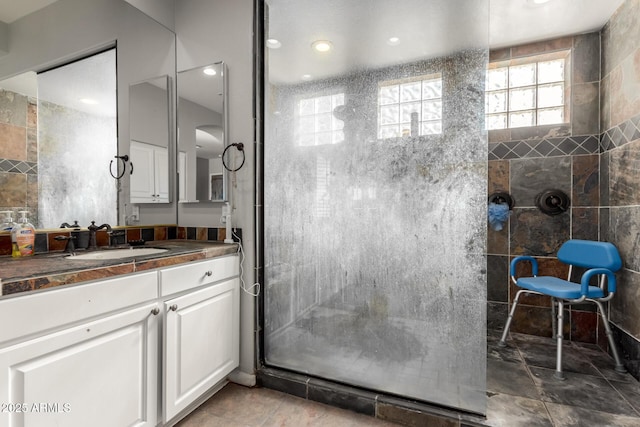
40 312
196 274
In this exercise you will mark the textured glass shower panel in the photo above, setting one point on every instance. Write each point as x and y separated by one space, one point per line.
374 245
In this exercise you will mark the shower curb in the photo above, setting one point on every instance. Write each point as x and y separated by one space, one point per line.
381 406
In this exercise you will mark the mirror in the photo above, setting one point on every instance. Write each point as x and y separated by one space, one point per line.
202 134
77 137
61 33
149 147
69 114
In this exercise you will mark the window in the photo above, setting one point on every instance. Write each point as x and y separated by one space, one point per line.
526 94
410 107
316 123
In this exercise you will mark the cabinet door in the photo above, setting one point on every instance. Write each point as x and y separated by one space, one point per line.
161 169
142 178
101 374
201 343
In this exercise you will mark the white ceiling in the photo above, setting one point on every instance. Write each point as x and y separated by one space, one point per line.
92 78
511 21
514 22
359 30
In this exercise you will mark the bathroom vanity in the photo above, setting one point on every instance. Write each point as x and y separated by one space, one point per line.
142 347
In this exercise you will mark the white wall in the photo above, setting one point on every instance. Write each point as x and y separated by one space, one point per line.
160 10
4 38
222 30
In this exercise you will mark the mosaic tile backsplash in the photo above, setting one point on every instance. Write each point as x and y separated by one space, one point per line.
45 240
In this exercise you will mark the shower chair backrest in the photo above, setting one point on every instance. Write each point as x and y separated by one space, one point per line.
590 254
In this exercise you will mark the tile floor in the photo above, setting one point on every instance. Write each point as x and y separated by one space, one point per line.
521 392
238 406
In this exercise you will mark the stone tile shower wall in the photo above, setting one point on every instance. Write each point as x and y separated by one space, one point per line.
526 161
18 154
619 165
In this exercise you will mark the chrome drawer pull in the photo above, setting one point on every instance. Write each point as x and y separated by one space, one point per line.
155 311
174 307
208 273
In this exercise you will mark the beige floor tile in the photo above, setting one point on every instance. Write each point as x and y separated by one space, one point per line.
341 418
297 412
200 418
247 406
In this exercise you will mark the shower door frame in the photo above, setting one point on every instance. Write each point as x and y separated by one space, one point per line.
283 379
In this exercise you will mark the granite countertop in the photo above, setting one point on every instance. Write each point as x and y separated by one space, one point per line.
46 271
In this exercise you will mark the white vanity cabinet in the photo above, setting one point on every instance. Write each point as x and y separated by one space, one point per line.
83 355
136 350
150 175
201 340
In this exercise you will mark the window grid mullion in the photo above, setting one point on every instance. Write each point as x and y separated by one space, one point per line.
536 87
535 111
508 97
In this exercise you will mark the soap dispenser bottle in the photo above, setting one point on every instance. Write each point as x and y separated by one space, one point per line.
23 236
7 221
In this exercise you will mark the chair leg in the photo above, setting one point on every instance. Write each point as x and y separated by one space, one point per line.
554 318
503 340
558 374
619 366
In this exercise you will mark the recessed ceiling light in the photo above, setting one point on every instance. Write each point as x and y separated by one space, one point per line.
273 43
198 146
209 71
322 45
306 77
88 101
393 41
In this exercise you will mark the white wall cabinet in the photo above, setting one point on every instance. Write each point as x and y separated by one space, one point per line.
91 355
150 177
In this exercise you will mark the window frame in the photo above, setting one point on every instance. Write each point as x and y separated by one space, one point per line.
564 54
436 76
298 117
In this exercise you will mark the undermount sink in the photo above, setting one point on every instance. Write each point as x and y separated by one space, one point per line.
116 254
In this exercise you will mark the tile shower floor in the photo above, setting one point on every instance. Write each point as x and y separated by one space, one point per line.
521 391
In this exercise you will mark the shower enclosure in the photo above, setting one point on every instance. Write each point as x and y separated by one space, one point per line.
375 165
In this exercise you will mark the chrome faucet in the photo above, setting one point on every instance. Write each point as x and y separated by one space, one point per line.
92 234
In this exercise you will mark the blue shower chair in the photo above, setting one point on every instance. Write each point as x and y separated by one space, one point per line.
601 259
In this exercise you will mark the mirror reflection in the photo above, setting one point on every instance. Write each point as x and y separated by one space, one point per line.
201 133
149 148
47 48
71 130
